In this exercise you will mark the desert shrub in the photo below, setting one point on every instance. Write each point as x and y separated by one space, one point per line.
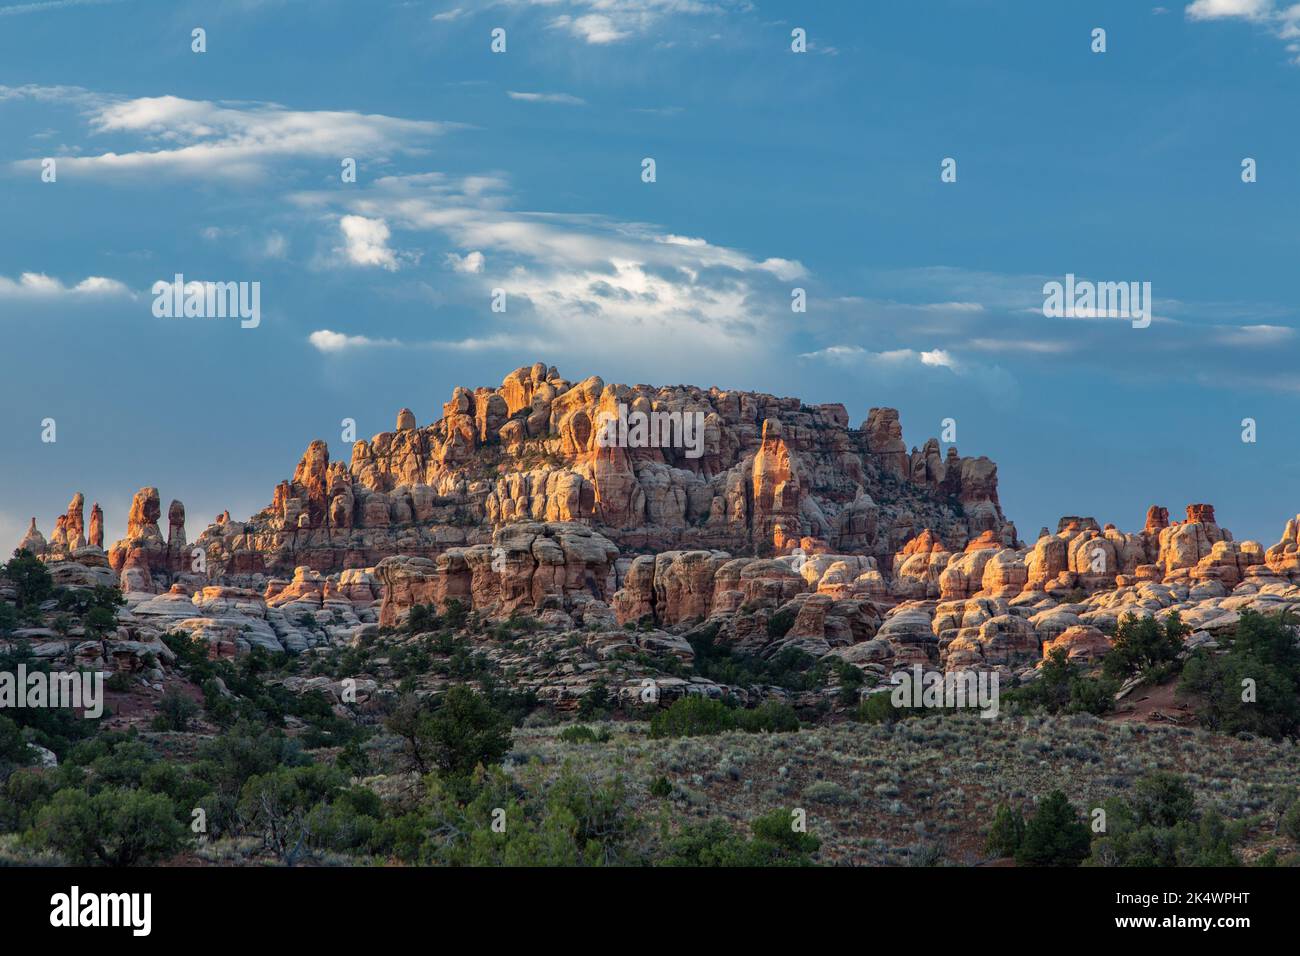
827 791
1063 687
693 716
1145 645
595 703
1289 825
790 668
455 613
771 717
1006 833
1054 836
56 728
175 711
779 624
850 680
773 842
1158 825
422 618
1161 799
1263 651
14 751
462 732
879 708
31 580
294 810
582 734
115 827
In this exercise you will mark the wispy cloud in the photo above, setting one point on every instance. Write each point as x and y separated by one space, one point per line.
471 262
327 340
1283 22
330 342
561 98
226 140
1222 9
1255 335
591 282
49 6
605 22
853 354
595 28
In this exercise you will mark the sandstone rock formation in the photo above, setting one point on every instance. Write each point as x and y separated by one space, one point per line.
33 540
766 473
96 534
783 528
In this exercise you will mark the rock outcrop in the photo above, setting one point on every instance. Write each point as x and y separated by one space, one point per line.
760 474
771 526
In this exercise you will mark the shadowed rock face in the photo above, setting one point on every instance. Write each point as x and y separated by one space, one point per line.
766 473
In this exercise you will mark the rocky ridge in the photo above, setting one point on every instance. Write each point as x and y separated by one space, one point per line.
790 530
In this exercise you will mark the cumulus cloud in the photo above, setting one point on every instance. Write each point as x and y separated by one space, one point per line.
367 242
471 262
37 285
595 284
230 140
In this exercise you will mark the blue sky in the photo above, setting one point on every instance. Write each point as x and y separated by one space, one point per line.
775 170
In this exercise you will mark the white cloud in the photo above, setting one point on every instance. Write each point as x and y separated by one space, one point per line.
367 242
326 340
561 98
951 307
330 342
471 262
1251 335
939 358
852 354
603 22
1018 345
37 285
276 246
206 138
1284 23
594 285
40 6
595 28
1222 9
